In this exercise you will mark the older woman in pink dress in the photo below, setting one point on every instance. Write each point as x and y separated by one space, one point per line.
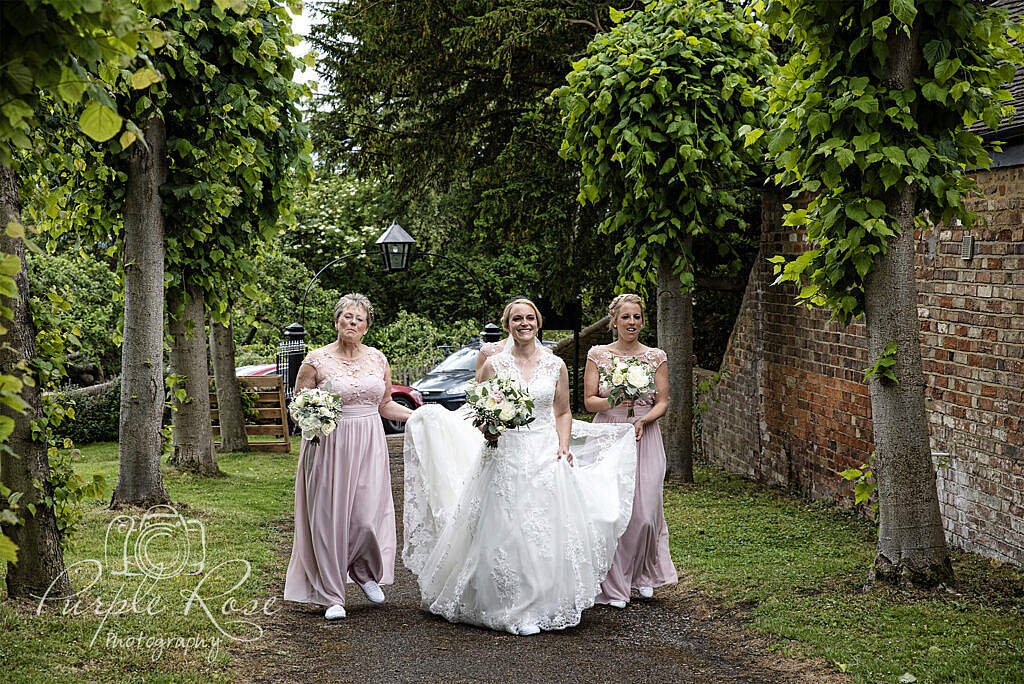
344 513
642 559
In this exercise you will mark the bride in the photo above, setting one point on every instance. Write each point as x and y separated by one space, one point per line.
520 537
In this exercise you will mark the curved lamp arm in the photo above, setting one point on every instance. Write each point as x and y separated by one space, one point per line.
302 314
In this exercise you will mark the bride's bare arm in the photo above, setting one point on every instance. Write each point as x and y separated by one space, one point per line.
563 414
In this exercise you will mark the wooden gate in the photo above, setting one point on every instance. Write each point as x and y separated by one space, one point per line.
271 412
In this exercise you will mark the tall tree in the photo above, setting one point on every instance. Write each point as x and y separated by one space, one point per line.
54 54
874 102
140 434
229 396
237 149
448 106
652 115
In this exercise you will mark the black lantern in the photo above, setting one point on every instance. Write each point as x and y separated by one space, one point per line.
396 248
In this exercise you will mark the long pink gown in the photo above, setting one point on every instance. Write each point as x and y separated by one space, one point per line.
344 512
642 558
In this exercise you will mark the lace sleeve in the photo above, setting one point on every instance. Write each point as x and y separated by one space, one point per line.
595 354
313 359
658 357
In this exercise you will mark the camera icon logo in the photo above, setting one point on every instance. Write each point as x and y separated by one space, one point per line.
159 544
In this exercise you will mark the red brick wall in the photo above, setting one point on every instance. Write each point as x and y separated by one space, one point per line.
793 408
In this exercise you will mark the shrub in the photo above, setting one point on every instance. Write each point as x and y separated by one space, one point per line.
414 340
97 417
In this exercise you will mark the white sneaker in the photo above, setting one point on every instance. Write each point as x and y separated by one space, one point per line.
335 612
373 591
617 604
646 592
527 630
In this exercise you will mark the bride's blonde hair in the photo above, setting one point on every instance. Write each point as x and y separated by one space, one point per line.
616 306
507 313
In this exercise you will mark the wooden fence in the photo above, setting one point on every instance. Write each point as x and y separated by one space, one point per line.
406 375
270 412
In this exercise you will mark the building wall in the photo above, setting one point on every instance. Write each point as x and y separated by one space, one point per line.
793 408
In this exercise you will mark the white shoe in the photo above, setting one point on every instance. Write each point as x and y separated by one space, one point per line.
373 591
527 630
646 592
617 604
335 612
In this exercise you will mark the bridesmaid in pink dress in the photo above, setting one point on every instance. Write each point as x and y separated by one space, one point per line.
344 513
642 559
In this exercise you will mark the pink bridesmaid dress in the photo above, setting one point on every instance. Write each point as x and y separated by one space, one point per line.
642 558
344 512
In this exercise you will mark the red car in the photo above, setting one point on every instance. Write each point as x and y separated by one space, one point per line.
403 394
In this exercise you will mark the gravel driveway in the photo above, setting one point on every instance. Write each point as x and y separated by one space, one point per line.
679 636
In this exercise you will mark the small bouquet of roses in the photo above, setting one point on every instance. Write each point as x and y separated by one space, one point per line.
627 380
316 412
499 404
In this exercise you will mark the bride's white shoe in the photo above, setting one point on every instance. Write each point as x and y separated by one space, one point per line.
335 612
646 592
617 604
527 630
373 591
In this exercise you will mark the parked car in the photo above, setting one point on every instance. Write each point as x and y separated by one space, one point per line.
446 383
402 394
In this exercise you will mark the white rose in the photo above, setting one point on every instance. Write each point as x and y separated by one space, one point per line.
508 411
328 428
638 377
618 378
490 403
300 401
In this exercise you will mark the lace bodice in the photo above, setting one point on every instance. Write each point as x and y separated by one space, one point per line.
541 384
489 349
357 381
602 357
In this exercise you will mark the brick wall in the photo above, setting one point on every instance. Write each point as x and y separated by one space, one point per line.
793 408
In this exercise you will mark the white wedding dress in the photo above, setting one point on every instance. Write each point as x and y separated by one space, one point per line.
510 537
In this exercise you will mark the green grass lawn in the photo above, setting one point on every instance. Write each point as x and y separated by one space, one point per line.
800 568
239 513
797 566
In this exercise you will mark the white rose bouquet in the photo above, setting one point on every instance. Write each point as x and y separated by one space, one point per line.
627 380
316 412
499 404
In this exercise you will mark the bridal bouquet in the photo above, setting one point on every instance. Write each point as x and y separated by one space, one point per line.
316 412
628 380
499 404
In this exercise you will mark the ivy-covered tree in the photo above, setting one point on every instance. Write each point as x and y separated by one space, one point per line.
874 104
237 152
62 53
652 115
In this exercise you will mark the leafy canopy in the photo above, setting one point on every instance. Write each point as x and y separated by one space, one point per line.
856 142
655 113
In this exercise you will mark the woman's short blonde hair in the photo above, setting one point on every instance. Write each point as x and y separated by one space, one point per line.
354 299
507 313
616 306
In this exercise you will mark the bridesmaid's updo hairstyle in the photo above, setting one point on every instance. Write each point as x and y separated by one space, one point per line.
354 299
507 313
616 306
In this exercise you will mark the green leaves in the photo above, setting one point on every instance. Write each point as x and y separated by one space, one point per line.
99 122
904 10
631 116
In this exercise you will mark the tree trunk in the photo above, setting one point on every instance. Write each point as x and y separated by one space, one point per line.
193 433
40 558
229 397
675 337
911 545
140 443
